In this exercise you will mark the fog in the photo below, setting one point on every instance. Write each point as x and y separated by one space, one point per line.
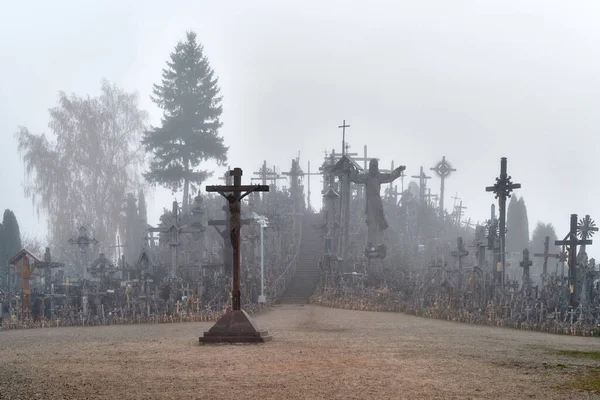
415 80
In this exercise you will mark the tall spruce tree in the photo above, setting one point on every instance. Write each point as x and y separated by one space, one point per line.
191 104
11 235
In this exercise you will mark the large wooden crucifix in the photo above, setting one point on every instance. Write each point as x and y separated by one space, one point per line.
502 189
545 255
234 194
422 184
235 326
442 169
572 242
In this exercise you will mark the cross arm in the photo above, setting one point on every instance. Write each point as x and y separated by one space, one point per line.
222 222
237 189
572 242
546 255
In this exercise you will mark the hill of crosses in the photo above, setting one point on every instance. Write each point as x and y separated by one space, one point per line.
374 245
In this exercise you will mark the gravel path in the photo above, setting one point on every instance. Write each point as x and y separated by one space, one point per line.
317 353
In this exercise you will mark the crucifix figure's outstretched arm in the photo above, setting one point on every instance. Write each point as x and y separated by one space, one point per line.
356 177
392 176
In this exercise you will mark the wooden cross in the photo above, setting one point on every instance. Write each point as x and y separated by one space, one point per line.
455 198
458 212
572 244
545 255
265 175
571 312
422 183
174 231
295 174
336 156
234 194
525 264
25 263
344 126
502 189
468 224
308 175
430 196
563 257
458 255
197 303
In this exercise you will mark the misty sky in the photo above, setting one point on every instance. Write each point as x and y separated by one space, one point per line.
471 80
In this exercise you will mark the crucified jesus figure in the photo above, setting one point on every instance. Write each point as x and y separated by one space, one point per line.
372 180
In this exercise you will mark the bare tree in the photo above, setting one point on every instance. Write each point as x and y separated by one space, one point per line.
81 173
33 244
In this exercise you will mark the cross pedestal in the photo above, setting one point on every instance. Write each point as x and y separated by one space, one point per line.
235 326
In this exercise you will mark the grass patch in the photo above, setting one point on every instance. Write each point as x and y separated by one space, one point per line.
588 381
590 355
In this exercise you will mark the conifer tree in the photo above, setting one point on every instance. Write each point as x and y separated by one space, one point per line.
523 226
10 241
512 225
189 98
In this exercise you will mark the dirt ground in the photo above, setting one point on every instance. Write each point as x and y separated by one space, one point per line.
317 353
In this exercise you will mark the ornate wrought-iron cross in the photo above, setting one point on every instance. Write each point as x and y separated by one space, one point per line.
502 189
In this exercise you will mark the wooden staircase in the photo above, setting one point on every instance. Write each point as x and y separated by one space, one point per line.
308 272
